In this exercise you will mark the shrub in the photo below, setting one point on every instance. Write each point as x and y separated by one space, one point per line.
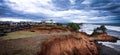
103 28
3 34
95 32
32 31
74 26
59 24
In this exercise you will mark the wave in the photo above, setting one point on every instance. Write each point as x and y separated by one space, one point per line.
115 28
116 45
88 28
111 30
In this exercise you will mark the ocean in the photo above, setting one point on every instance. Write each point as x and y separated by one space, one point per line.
112 30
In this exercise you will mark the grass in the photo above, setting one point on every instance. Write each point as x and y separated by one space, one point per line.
26 34
53 26
19 34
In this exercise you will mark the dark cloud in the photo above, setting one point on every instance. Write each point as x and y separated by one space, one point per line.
78 5
6 11
112 8
98 3
104 7
62 4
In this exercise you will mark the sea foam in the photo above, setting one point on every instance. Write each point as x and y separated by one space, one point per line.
88 28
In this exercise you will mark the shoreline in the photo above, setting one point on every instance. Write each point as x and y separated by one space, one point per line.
105 50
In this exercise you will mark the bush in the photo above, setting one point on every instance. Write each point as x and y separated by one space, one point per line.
103 28
32 31
3 34
95 32
59 24
74 26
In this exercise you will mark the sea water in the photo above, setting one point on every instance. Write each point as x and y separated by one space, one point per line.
112 30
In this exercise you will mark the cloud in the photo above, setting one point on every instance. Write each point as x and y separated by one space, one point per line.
72 2
61 10
15 20
87 2
30 6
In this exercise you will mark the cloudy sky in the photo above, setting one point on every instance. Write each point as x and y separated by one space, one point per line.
79 11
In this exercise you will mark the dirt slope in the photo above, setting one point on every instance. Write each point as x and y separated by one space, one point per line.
103 37
69 45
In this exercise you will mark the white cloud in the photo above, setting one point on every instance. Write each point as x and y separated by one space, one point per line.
31 6
75 13
86 2
72 1
78 20
102 18
47 7
14 19
77 16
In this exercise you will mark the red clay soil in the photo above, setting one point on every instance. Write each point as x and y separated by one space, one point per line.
77 44
103 37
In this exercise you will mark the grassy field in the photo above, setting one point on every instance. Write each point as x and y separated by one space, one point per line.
19 34
26 34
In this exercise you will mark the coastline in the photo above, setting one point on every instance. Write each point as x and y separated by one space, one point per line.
79 43
110 41
105 50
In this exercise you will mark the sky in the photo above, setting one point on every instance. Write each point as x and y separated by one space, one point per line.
78 11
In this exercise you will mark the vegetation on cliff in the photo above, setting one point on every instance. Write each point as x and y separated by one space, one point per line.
99 30
74 26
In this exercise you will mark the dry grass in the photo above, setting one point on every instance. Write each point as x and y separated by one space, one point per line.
51 26
20 34
27 34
